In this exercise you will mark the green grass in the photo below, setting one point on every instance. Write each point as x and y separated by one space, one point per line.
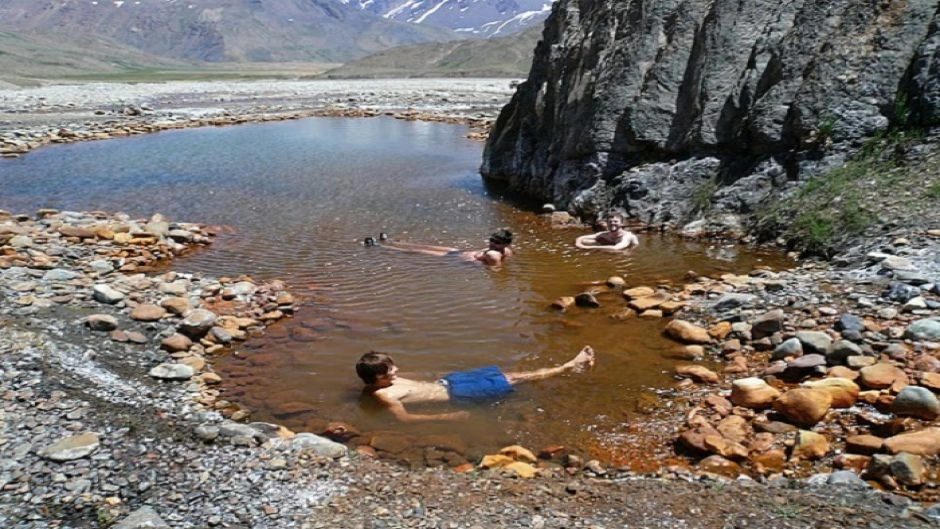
701 197
933 190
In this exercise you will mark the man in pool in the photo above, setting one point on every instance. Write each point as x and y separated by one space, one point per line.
614 239
494 255
380 375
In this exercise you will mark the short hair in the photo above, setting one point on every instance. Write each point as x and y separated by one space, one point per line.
615 215
373 365
501 236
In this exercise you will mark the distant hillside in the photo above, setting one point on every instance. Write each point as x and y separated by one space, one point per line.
222 30
471 18
497 57
24 57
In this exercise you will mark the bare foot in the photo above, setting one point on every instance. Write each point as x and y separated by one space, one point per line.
583 360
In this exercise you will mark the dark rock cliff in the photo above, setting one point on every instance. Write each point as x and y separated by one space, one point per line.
651 106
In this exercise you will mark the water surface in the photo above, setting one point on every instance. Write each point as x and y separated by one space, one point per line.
300 196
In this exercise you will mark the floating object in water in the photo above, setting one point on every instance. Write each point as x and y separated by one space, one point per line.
383 236
369 241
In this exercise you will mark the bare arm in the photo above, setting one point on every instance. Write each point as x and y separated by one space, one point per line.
586 242
403 415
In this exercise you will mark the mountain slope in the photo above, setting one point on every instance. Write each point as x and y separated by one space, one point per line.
222 30
509 56
473 18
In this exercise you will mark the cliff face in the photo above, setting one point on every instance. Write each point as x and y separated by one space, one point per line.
651 106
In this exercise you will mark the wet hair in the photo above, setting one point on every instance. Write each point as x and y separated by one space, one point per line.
373 365
501 236
615 215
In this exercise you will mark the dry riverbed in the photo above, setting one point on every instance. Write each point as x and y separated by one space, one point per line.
111 414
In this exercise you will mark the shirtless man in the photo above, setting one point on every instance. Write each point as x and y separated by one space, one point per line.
614 239
380 374
494 255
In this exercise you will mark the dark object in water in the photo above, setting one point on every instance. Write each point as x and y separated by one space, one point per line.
383 236
369 241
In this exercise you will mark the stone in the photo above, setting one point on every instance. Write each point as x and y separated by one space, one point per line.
850 322
698 373
638 292
586 299
881 375
101 322
59 274
71 448
686 332
734 428
647 302
106 294
767 324
916 401
720 330
843 391
734 301
908 469
863 444
810 445
496 461
924 442
716 444
789 347
846 478
753 393
924 330
148 312
172 372
842 350
804 406
815 341
518 453
720 465
176 342
615 282
521 469
197 323
318 445
142 518
176 305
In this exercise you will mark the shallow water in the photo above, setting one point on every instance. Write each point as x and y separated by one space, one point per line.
300 196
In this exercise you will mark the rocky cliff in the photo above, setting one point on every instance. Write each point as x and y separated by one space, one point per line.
656 106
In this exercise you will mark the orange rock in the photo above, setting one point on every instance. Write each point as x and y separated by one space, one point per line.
651 314
495 461
881 375
671 307
843 372
753 393
464 468
720 330
648 302
518 453
925 442
686 332
521 469
863 444
734 428
930 380
810 445
698 373
638 292
844 392
804 406
738 365
717 444
563 303
855 462
769 462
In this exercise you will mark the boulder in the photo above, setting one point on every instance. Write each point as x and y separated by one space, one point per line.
924 442
753 393
804 406
843 391
768 324
815 341
810 445
863 444
686 332
916 401
197 323
925 330
881 375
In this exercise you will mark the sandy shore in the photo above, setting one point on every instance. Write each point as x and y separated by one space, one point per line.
151 451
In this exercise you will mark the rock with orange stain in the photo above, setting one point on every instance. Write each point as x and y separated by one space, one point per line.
855 462
804 406
638 292
844 392
925 442
769 462
464 468
881 375
720 465
495 461
863 444
694 438
686 332
698 373
551 452
753 393
737 366
518 453
521 469
734 428
809 446
717 444
720 330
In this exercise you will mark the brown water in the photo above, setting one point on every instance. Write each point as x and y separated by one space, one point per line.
300 196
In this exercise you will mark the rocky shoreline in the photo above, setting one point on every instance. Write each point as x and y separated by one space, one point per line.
110 416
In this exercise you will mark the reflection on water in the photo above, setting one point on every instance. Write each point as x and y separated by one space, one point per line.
300 196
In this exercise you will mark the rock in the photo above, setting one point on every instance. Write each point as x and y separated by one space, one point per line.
518 453
734 428
71 448
638 292
59 274
319 445
815 341
142 518
719 465
804 406
842 350
698 373
148 312
915 401
106 294
810 446
720 330
101 322
843 391
172 372
769 323
753 393
197 323
176 305
790 347
846 478
900 292
615 282
686 332
925 442
693 439
521 469
563 303
734 301
924 330
718 445
586 299
176 342
909 470
863 444
850 322
647 302
881 375
496 461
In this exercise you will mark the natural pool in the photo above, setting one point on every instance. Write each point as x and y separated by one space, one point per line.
300 196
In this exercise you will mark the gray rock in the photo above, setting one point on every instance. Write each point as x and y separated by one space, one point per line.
916 401
734 301
101 322
900 292
790 347
143 518
911 278
197 323
767 324
815 341
106 294
842 350
847 478
172 372
926 330
59 274
319 445
74 447
850 322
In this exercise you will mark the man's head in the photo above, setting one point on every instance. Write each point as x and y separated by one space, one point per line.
376 369
501 237
614 221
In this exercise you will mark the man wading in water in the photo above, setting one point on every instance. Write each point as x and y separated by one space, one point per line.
379 373
614 239
494 255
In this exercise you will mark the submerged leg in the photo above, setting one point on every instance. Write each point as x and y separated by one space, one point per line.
427 249
584 359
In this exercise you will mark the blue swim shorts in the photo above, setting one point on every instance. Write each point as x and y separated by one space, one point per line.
482 383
